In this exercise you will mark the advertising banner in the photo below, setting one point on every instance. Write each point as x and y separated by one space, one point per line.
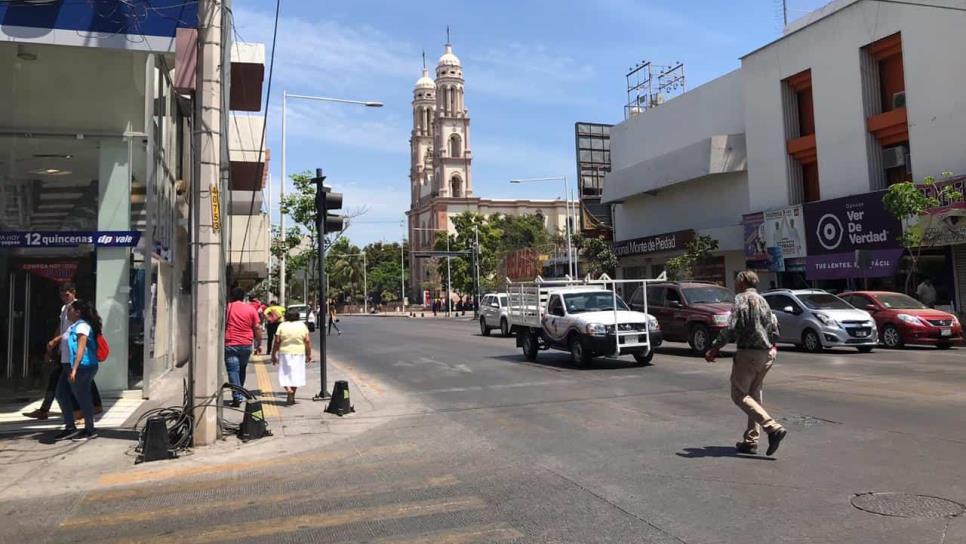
851 237
772 237
670 241
56 272
102 238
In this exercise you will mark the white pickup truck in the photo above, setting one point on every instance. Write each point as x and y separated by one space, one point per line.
586 318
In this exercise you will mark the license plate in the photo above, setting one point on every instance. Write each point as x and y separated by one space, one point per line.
946 332
861 333
630 339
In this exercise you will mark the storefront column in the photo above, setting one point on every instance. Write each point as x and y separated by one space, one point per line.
113 264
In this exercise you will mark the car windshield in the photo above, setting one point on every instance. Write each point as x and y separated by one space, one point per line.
898 301
708 295
298 307
824 301
592 302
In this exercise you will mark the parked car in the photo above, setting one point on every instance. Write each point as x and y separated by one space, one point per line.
688 311
814 319
493 314
305 314
902 319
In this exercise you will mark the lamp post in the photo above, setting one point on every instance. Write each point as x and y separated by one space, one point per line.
281 192
571 265
449 279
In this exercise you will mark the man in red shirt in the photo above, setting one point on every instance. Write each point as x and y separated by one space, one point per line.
242 329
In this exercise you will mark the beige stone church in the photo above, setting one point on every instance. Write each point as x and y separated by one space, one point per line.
441 174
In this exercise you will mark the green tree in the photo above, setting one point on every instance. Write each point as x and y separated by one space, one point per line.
908 202
696 253
598 255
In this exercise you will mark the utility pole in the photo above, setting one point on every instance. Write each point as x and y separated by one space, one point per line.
209 293
476 270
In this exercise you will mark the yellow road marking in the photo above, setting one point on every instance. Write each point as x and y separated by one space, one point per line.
182 471
265 386
273 527
226 505
466 535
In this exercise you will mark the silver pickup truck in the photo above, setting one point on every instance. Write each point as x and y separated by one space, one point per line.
586 318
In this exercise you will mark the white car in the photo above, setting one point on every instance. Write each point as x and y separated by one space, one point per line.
493 314
586 320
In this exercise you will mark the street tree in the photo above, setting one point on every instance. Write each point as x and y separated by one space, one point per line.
696 253
909 203
598 255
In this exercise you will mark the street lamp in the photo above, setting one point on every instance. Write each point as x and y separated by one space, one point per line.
449 279
568 196
281 182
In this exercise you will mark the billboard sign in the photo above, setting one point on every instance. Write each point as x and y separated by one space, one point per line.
670 241
773 236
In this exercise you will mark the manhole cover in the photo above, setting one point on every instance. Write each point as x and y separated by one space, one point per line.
907 505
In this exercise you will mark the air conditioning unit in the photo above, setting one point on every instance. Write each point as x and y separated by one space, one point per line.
893 157
899 100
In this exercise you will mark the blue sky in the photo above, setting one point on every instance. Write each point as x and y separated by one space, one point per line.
532 69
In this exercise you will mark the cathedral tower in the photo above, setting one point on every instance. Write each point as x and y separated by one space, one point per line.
451 132
421 138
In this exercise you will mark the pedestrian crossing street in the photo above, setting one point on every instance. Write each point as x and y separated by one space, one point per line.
385 494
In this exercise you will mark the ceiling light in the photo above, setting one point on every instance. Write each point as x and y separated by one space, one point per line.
50 172
53 156
55 206
60 196
23 54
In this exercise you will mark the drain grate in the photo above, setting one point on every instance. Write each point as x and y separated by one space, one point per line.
907 505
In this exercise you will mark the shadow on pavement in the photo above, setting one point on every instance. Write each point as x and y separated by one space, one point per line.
561 361
718 451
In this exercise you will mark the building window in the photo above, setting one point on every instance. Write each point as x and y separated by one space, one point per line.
456 186
455 146
884 101
800 142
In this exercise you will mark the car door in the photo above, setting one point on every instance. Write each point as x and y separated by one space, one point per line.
656 307
554 321
488 311
677 313
789 324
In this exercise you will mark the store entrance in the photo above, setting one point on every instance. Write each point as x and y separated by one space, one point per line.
31 317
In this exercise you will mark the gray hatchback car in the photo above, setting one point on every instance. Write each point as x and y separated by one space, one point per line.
814 319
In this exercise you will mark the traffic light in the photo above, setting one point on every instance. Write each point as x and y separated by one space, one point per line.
326 200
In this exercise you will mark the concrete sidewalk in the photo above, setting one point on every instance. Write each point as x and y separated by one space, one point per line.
33 466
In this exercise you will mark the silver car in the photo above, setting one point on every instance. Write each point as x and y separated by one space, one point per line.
493 314
814 319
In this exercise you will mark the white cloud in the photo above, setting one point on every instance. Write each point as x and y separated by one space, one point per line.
530 72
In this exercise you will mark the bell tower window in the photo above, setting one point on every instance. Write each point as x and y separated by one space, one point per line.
455 146
456 186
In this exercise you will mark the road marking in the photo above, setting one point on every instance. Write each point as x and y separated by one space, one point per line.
274 527
265 386
189 471
122 517
467 535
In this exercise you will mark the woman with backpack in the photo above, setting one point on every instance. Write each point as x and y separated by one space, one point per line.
83 341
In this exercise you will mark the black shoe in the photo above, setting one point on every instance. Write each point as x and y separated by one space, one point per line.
67 434
236 403
744 447
775 440
84 436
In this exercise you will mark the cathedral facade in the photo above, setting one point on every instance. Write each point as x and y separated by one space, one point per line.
441 173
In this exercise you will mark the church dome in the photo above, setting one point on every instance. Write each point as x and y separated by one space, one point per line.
448 58
425 82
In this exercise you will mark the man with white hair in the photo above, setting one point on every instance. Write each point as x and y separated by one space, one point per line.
754 328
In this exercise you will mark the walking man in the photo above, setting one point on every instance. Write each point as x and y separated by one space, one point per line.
753 327
333 320
273 318
242 329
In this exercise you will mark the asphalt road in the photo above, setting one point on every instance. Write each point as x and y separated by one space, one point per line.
462 441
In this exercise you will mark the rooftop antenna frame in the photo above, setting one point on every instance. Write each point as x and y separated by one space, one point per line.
649 85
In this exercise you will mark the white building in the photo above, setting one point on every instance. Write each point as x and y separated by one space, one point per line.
851 98
679 171
441 175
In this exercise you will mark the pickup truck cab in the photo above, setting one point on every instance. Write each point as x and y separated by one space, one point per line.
586 320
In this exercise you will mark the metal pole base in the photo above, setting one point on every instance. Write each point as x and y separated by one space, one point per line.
323 395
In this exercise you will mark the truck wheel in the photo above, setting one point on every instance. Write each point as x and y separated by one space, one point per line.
700 339
578 351
504 327
530 347
484 330
644 358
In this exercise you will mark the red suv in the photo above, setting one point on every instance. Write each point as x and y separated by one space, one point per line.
904 320
688 311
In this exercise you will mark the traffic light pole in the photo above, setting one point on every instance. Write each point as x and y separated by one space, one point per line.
323 299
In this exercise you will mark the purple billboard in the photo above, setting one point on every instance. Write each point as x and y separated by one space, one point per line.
851 237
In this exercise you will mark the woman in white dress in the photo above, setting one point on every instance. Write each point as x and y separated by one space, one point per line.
292 350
